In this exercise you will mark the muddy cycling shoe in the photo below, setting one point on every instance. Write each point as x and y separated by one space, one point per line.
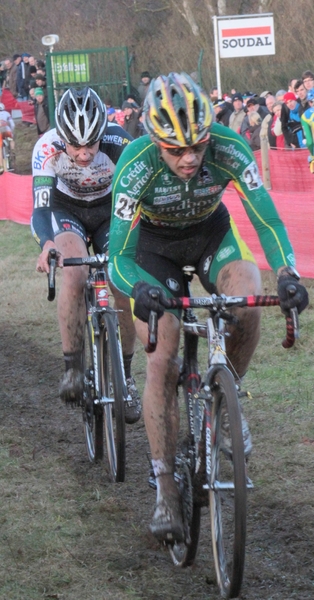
133 407
167 524
71 387
225 443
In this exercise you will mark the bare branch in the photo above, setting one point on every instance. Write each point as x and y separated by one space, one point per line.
135 6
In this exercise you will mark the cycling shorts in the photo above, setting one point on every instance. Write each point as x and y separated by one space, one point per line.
90 222
207 246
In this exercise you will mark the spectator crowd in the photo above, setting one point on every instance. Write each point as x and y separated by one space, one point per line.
284 117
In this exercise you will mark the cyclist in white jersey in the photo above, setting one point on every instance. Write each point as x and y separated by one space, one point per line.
73 167
7 126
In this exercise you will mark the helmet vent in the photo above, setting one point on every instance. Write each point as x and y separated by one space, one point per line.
183 119
164 113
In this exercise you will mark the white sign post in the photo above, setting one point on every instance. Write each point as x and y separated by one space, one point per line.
249 35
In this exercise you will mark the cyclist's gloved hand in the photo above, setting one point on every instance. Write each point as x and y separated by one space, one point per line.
144 302
287 279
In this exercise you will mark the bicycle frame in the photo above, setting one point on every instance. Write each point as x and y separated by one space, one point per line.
104 388
219 471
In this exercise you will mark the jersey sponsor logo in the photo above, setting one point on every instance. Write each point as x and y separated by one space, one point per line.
164 190
251 177
43 180
47 151
166 179
125 207
207 191
172 284
207 263
204 177
116 139
167 199
226 154
134 173
225 253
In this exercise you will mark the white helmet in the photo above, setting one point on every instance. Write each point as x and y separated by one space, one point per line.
81 117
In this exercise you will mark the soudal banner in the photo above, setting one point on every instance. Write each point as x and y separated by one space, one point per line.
249 36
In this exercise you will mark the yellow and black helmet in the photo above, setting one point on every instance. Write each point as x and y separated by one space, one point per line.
176 111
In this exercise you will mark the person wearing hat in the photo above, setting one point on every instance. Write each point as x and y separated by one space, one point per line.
41 111
111 113
291 122
131 121
223 110
265 94
238 113
144 85
253 104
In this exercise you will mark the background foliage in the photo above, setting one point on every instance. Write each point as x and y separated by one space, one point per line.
164 35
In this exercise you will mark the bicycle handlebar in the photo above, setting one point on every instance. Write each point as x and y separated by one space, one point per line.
93 261
219 304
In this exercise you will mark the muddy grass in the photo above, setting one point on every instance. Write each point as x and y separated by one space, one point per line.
68 533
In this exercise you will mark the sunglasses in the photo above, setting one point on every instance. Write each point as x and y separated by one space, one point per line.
196 148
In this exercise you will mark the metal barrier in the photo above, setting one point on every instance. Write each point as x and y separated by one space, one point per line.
106 70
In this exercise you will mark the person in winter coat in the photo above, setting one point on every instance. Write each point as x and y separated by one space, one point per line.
223 110
291 122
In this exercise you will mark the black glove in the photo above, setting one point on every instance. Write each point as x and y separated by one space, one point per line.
287 280
144 302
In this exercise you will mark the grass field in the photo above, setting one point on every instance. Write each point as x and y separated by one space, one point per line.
68 533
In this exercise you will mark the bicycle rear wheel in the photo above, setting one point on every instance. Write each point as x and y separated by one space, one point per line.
6 156
113 386
93 413
104 395
227 487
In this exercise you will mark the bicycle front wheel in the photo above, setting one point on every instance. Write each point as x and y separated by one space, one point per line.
113 386
93 411
227 493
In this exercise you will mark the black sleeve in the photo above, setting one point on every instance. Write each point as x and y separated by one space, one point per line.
114 141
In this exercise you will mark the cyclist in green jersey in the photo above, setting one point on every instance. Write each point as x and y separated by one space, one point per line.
168 213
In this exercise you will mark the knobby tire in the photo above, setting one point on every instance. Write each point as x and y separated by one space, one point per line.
113 385
104 424
183 555
227 507
93 414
